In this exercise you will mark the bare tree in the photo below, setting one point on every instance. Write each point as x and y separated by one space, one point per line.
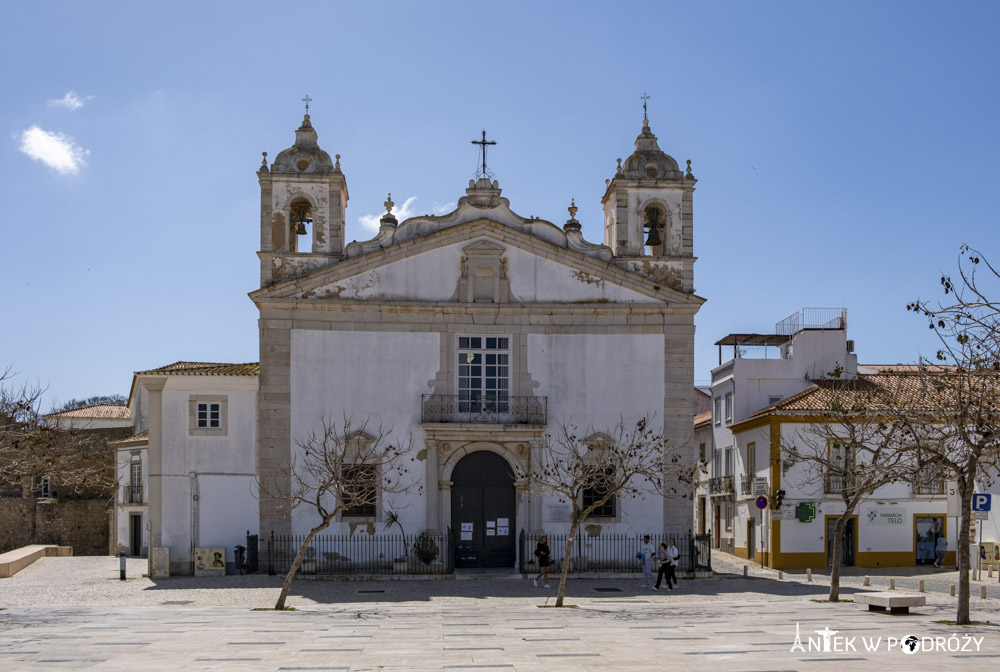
959 429
628 461
73 461
853 447
339 468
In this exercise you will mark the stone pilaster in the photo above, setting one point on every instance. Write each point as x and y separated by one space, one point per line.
154 479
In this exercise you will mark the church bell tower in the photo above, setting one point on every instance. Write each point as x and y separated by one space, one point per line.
303 198
649 215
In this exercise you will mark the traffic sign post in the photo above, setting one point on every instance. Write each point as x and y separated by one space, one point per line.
981 502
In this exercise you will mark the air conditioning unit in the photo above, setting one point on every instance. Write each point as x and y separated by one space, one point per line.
850 345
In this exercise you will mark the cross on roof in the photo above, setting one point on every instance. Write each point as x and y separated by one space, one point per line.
644 97
483 143
307 100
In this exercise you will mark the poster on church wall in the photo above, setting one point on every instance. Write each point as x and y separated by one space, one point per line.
557 512
209 561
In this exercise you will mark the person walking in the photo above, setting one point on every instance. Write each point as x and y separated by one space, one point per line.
940 551
543 555
661 558
647 551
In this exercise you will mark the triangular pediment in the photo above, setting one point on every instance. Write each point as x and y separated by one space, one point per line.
431 268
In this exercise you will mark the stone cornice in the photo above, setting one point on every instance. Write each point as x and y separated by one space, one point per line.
608 271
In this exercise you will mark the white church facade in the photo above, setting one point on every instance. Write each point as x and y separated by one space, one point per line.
469 336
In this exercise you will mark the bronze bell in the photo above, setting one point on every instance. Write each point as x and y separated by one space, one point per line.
653 224
301 229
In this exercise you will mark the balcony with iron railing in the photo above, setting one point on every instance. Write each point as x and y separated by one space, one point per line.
929 486
834 485
746 484
506 410
720 485
812 318
132 494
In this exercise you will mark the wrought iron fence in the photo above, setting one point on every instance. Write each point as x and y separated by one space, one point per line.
615 552
486 410
132 494
834 485
746 484
362 554
720 485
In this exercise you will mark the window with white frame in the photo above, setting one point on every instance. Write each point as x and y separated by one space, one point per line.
208 415
134 492
45 487
717 462
729 407
717 415
483 374
729 461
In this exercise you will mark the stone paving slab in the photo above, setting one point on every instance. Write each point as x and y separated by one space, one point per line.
73 614
355 637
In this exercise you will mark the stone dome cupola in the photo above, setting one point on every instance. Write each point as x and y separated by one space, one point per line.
305 156
649 161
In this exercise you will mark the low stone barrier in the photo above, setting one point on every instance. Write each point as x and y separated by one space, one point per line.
14 561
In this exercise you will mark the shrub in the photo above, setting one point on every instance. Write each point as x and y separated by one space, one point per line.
425 548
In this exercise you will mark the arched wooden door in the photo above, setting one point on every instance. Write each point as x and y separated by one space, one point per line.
483 506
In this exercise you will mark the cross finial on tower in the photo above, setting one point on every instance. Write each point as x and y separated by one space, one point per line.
644 98
483 172
307 100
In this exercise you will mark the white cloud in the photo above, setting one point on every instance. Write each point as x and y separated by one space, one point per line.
71 101
402 213
55 150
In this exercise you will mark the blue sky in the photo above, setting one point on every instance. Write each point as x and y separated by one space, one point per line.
844 151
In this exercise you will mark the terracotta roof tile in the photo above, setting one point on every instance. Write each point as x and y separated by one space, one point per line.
702 418
206 369
141 437
102 411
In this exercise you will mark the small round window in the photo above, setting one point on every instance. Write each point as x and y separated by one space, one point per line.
302 164
651 170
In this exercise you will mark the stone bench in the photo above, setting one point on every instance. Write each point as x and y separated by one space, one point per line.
896 603
14 561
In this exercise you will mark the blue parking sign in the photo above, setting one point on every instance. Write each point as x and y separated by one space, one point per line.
981 502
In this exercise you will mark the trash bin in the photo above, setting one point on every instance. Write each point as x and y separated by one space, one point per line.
241 558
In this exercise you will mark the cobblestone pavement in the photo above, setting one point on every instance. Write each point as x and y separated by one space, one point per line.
74 613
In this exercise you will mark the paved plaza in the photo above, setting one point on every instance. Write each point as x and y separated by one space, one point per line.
74 613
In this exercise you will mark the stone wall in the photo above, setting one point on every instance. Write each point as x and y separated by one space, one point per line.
80 523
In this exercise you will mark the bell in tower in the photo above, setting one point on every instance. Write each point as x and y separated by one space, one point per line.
648 210
303 199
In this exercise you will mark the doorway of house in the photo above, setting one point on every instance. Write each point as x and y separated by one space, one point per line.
751 540
718 526
847 549
483 508
135 534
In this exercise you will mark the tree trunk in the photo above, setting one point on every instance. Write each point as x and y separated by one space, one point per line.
838 550
966 488
564 570
286 586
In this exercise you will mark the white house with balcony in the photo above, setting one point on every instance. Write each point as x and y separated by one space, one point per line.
764 368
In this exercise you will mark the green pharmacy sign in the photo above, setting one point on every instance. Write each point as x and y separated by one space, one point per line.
805 512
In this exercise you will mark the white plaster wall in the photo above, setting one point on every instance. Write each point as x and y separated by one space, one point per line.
805 482
374 376
592 381
183 455
227 508
434 276
534 279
